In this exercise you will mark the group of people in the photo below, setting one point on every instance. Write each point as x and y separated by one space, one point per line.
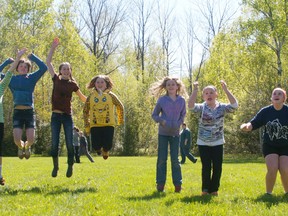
103 111
170 111
98 113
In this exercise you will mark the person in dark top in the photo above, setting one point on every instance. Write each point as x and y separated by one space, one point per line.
63 87
274 118
185 144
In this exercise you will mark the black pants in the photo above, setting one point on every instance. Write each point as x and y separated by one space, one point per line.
102 137
211 159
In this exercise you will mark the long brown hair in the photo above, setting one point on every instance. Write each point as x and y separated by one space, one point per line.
69 65
109 83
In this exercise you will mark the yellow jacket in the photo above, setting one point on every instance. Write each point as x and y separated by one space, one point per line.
99 110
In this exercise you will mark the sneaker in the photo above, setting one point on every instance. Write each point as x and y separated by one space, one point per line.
20 153
195 160
2 181
69 171
204 193
160 188
105 155
178 189
215 193
27 152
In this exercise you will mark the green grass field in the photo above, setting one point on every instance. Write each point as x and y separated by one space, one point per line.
126 186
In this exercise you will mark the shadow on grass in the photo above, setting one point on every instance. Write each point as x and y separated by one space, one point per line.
46 191
197 199
271 200
154 195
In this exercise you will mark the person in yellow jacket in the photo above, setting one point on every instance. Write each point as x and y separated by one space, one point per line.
99 112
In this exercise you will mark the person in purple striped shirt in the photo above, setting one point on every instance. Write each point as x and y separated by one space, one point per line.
169 112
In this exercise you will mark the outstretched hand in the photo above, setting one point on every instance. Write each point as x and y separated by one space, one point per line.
195 85
223 85
55 42
21 52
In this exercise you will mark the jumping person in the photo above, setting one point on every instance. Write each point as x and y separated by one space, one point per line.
63 87
3 85
274 118
210 139
99 114
169 112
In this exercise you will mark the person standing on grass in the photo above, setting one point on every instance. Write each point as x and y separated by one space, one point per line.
185 144
22 87
210 139
84 146
63 87
169 112
274 118
76 144
99 114
3 85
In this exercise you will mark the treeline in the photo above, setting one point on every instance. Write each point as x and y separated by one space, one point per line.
135 42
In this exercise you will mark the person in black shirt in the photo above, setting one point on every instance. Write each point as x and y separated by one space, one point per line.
274 118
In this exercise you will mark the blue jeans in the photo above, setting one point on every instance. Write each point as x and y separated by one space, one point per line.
161 172
57 119
211 159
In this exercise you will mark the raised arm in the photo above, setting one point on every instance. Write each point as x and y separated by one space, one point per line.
230 96
5 63
193 97
54 45
18 57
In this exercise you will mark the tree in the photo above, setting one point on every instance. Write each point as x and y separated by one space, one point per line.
269 22
100 28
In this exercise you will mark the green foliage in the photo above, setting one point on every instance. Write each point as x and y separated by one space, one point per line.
126 186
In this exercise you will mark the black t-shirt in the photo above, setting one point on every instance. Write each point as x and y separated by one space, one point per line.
276 125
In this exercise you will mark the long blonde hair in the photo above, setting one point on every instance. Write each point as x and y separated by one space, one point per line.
159 88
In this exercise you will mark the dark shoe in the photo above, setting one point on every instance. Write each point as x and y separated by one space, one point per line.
178 189
21 152
2 181
69 171
195 160
27 152
160 188
56 166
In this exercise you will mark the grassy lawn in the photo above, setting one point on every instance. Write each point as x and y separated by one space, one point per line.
126 186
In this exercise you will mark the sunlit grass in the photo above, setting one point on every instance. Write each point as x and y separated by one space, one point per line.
126 186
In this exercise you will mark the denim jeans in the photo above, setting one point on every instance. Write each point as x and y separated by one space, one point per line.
57 119
211 158
163 142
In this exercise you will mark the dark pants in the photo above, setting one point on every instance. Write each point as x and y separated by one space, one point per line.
102 137
77 153
84 150
58 119
185 152
211 159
